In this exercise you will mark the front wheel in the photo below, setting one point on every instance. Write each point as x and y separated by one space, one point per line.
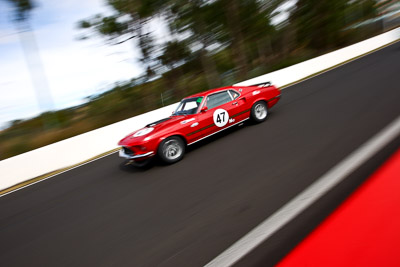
171 149
259 111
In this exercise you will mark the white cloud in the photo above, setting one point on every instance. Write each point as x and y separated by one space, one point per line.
74 69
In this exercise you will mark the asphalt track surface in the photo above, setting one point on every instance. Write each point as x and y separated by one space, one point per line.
108 214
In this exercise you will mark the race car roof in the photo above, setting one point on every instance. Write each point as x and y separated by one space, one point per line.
205 93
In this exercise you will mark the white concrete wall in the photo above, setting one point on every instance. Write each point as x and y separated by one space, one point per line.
85 146
73 150
304 69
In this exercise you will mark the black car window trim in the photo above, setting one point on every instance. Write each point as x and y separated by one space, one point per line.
198 108
239 94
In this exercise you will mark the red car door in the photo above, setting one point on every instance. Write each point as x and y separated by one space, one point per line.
241 110
193 123
220 113
197 129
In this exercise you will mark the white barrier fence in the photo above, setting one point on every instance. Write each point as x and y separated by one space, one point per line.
304 69
82 147
73 150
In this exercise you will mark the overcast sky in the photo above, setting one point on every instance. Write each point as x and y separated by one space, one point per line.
74 69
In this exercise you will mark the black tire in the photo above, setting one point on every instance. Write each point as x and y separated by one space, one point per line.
259 112
171 149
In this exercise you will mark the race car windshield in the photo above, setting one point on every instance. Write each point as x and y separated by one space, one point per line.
188 106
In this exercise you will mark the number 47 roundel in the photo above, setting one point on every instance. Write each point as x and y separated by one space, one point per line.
221 117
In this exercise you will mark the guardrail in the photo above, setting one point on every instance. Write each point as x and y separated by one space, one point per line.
73 150
82 147
307 68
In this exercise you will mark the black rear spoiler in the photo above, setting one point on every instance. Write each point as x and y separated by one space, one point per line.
264 84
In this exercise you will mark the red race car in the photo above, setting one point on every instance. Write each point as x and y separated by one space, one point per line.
197 117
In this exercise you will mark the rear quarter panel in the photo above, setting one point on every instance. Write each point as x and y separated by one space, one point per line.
268 94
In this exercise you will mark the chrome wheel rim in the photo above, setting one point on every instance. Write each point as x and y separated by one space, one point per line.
260 111
172 149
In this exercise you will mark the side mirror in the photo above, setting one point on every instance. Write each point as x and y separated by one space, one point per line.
203 109
173 112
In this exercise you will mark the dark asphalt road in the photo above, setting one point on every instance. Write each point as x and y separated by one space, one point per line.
106 214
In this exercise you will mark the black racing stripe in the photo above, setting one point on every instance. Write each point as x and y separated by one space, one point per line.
278 96
240 113
211 125
201 129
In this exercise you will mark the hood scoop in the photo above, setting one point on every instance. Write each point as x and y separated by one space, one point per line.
157 122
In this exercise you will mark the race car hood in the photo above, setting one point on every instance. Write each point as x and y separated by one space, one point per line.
170 121
140 135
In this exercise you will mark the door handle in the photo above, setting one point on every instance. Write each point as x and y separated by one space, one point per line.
235 103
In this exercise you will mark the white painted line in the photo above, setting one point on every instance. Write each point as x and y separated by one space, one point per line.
310 195
218 131
51 176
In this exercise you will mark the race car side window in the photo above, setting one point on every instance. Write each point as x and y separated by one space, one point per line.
188 106
234 94
218 99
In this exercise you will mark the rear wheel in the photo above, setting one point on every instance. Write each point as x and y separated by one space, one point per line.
259 111
171 149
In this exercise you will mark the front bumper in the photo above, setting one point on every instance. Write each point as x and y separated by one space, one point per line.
122 154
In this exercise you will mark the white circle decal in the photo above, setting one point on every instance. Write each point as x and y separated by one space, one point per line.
221 117
143 131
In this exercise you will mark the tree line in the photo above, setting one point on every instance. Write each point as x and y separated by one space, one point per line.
210 43
200 29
